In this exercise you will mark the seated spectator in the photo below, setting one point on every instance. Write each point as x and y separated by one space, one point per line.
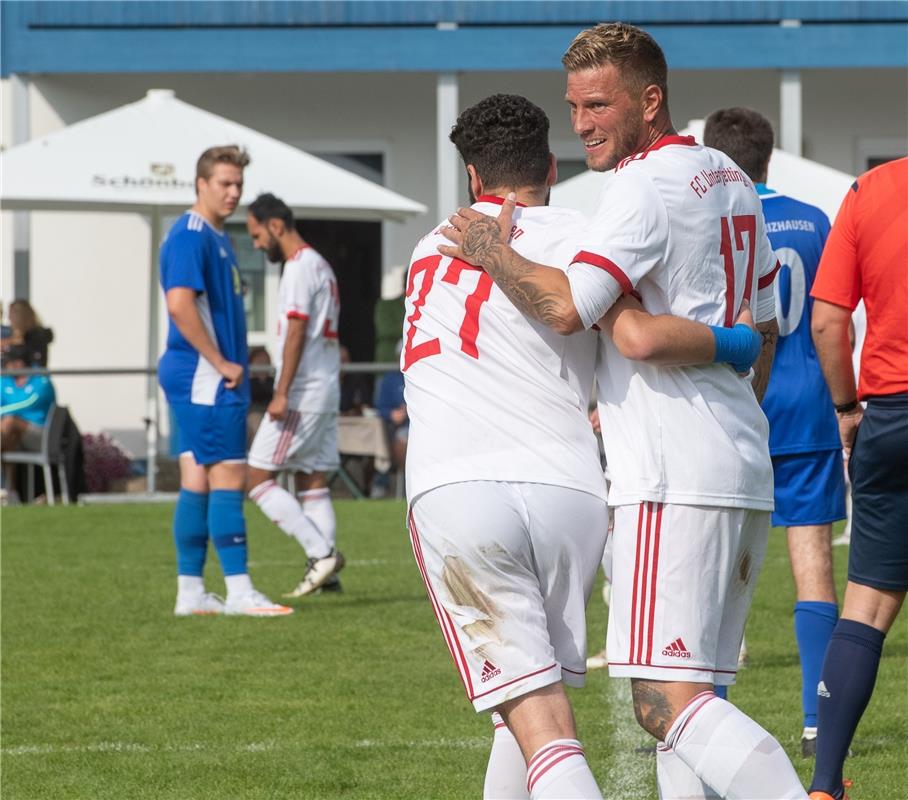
24 403
27 330
354 388
393 410
261 388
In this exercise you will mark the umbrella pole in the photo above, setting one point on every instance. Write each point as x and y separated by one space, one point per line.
151 394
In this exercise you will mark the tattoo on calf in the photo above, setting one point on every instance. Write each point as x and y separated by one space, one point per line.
652 708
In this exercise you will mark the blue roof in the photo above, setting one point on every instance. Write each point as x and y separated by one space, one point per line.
189 36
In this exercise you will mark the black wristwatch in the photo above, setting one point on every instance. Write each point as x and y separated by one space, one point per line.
844 408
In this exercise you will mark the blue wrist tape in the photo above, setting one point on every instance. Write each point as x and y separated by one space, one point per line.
739 346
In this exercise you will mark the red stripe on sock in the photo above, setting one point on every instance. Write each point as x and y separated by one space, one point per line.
543 761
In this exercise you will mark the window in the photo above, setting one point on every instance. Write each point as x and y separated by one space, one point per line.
252 270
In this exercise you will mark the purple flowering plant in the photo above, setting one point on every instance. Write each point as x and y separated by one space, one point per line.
105 461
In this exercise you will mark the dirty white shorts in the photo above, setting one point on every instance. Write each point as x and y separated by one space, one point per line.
302 441
683 578
508 568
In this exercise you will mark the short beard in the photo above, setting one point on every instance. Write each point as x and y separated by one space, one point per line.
274 252
628 138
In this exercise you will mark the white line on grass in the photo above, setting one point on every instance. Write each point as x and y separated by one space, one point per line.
628 776
435 744
131 747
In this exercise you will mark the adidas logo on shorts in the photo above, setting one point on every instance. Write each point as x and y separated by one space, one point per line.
676 649
822 691
489 671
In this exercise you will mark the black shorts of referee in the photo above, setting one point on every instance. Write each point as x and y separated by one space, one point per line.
878 469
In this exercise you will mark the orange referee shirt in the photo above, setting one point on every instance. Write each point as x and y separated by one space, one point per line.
866 256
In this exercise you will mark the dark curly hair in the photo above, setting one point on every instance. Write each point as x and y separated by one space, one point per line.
506 138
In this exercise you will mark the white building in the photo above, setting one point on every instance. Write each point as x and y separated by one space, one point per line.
376 86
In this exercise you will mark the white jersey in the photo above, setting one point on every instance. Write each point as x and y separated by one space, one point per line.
682 225
308 291
492 395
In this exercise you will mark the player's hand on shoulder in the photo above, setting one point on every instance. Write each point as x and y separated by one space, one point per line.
232 374
474 234
277 408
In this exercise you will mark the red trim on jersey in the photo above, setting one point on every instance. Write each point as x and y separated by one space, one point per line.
297 315
652 602
768 279
594 260
686 141
462 669
498 201
299 250
508 683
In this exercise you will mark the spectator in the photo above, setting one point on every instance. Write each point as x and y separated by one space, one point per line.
25 401
261 389
27 330
392 409
865 258
354 388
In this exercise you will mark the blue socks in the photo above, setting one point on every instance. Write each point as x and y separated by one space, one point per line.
228 529
190 532
814 622
849 673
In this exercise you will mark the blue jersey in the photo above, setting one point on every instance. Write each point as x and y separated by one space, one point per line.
797 402
197 256
31 401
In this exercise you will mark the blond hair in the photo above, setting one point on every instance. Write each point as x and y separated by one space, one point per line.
631 50
223 154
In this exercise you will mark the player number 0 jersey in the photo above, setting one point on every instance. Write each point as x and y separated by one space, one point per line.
492 395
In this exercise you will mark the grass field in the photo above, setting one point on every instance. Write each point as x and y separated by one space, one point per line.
106 695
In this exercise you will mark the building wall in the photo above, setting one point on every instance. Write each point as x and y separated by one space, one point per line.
90 271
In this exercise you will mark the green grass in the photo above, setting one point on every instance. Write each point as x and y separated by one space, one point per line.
107 695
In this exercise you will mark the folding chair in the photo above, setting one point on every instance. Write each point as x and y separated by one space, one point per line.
50 455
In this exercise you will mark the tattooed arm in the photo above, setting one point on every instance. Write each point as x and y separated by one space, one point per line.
540 292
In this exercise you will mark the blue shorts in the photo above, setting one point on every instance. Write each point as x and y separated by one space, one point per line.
810 488
879 492
212 433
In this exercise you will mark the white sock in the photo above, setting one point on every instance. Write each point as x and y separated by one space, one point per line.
676 780
731 753
190 584
506 774
238 584
317 506
282 509
558 771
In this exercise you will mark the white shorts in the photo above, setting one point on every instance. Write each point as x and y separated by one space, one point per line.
302 441
508 568
683 578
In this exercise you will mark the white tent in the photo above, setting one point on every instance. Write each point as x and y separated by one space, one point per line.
141 158
798 177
